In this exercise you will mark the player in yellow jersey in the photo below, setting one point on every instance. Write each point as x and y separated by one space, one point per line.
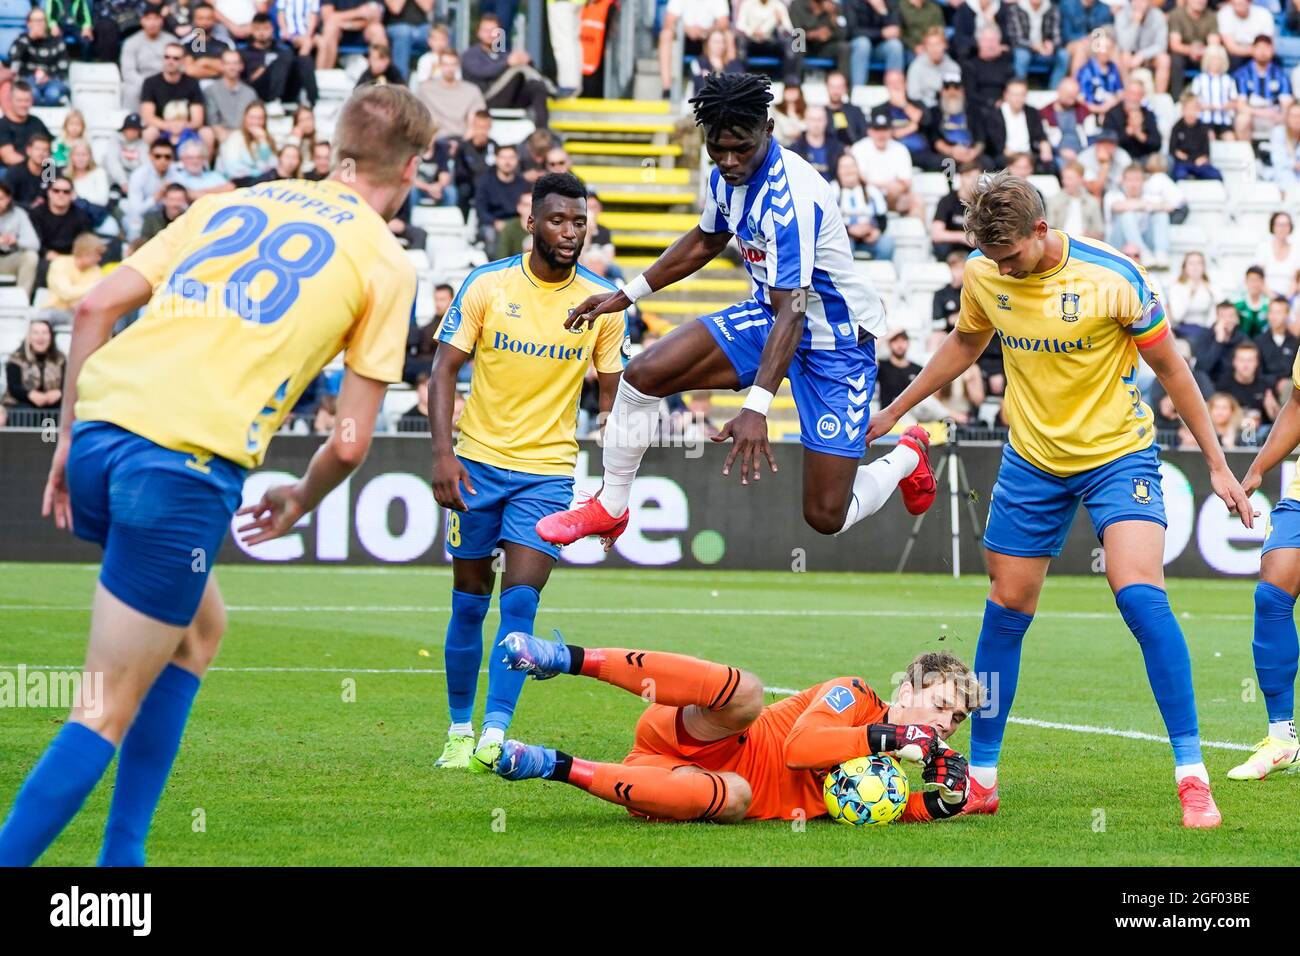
248 295
1072 314
1275 646
514 461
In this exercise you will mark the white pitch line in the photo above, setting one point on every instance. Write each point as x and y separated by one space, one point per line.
973 613
787 691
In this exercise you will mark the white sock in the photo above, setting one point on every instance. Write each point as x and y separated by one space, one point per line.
632 425
986 777
1282 730
875 482
1184 770
461 730
491 735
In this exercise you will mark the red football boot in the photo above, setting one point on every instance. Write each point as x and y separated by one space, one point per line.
1199 809
918 488
981 800
566 527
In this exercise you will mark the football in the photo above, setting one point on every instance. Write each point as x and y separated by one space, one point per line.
866 791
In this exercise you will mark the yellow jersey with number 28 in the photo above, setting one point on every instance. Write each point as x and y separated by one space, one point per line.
254 291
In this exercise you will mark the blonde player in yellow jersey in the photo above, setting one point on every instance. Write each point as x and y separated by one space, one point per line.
1275 645
248 295
1072 315
513 464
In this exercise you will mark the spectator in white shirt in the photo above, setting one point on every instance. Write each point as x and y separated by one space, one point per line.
885 163
1240 21
1192 300
698 18
1139 223
1279 255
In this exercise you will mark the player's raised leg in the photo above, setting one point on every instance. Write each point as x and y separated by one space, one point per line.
473 580
150 746
687 359
1275 645
1135 569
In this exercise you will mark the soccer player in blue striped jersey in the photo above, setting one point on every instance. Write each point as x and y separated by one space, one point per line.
248 295
811 317
1072 315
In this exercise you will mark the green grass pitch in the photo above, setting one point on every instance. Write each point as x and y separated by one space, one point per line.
278 768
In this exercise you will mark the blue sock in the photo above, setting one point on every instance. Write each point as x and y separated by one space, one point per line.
997 664
518 611
463 652
143 766
1276 650
1145 609
53 793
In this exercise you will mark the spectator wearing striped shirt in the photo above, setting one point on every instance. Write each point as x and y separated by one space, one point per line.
298 20
1099 78
1263 91
1217 91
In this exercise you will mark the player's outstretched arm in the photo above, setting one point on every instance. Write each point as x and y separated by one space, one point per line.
687 256
959 351
119 293
1176 377
343 452
1282 440
448 471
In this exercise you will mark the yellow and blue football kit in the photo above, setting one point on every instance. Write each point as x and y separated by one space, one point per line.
1080 432
518 441
1079 428
518 432
254 291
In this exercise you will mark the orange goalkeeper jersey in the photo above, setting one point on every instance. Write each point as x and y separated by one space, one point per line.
817 728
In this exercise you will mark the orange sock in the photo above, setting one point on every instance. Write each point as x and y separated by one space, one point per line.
654 791
674 680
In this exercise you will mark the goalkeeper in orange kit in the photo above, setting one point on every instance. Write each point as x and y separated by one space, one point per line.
707 748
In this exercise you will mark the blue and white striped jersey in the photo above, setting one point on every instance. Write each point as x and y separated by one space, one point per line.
786 218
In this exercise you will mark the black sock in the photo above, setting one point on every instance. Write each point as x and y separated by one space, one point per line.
563 764
576 656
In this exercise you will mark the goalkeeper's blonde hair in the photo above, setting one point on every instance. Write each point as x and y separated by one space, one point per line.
935 667
1002 210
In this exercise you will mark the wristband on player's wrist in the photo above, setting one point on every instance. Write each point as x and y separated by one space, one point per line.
938 808
758 400
637 288
882 738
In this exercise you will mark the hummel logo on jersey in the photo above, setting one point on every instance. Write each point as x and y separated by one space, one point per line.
514 308
1004 301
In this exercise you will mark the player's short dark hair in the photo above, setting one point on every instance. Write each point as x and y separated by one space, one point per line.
443 285
1255 271
262 18
1246 346
508 148
558 184
173 187
930 667
202 6
733 101
20 86
1225 304
45 138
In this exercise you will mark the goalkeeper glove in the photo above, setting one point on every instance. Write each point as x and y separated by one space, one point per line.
918 742
947 773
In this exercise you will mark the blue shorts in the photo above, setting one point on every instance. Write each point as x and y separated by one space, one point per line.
1283 526
507 508
832 388
160 516
1031 511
